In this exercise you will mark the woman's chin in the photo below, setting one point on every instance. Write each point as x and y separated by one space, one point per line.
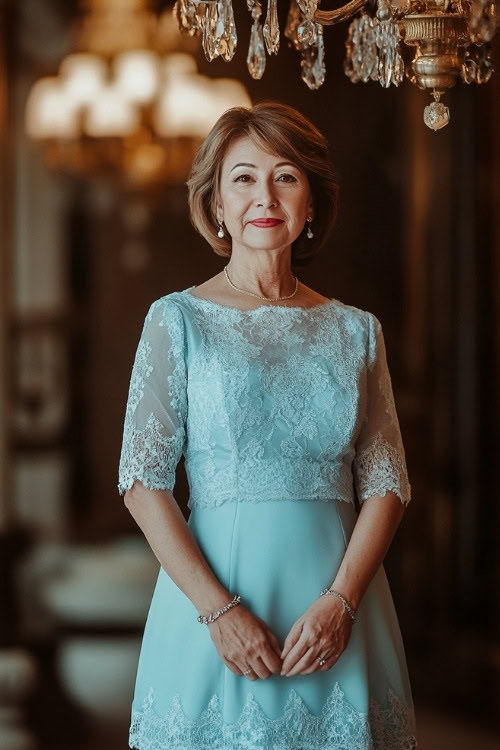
266 240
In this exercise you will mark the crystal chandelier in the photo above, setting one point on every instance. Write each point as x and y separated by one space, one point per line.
451 40
128 102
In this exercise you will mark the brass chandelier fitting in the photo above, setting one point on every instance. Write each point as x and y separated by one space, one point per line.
452 40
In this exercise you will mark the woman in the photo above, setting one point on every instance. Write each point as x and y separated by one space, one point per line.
280 400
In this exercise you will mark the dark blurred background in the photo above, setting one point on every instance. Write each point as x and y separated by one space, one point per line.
91 235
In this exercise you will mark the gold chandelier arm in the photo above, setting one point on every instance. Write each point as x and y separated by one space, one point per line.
331 17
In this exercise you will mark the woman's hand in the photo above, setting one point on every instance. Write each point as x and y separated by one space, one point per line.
244 641
323 630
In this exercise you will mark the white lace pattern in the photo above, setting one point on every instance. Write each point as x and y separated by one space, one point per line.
265 404
338 727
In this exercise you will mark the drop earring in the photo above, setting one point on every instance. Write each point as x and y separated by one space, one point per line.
220 233
310 234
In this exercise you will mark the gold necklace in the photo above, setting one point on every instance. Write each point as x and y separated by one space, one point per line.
269 299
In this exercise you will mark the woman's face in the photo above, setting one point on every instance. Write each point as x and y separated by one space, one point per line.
256 185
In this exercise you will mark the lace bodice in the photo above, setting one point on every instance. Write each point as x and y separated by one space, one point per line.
265 404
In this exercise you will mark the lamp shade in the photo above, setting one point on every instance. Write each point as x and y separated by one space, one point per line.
84 75
50 112
137 74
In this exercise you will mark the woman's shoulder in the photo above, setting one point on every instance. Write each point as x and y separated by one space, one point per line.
165 310
357 315
170 300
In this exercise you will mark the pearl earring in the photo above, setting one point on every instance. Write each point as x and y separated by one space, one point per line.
220 233
310 234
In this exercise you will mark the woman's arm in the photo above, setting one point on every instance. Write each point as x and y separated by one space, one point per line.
154 438
380 475
161 520
242 640
375 527
325 627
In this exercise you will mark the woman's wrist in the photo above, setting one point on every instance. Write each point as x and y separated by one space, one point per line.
352 594
212 616
331 593
212 599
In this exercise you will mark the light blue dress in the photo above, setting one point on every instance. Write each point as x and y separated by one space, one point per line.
280 412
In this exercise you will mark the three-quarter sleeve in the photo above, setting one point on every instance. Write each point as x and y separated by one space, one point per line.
379 464
154 431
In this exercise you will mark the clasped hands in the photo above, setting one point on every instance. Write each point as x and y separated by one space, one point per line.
245 641
322 631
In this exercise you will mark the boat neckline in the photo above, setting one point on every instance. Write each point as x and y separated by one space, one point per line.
212 303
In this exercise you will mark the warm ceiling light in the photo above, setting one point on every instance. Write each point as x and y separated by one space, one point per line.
137 74
84 76
50 113
121 108
111 114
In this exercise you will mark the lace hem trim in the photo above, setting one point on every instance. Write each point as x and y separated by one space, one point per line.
338 727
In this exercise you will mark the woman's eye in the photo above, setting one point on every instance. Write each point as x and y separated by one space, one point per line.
290 176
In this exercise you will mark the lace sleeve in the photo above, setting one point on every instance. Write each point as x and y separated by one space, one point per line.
379 463
155 416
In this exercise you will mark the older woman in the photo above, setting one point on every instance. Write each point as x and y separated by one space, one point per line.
280 400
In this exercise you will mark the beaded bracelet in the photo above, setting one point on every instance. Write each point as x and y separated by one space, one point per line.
347 607
205 619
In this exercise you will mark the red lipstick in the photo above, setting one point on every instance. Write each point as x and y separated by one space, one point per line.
266 222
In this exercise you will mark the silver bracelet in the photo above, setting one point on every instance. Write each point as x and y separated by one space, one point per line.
205 619
347 607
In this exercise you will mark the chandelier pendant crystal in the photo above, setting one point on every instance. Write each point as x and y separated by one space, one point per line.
271 28
436 115
452 40
256 57
306 30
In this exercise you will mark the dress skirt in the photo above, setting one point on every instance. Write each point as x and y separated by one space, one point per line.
278 555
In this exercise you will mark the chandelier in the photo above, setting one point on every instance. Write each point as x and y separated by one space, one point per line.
451 40
127 102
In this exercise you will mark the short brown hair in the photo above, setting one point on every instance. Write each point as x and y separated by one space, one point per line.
284 131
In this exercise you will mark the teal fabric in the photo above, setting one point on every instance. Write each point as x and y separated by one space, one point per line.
281 413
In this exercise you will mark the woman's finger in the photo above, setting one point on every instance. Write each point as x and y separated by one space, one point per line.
297 651
302 661
292 639
260 668
271 659
232 666
317 667
251 675
273 642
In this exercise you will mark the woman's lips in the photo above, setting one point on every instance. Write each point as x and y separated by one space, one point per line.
266 222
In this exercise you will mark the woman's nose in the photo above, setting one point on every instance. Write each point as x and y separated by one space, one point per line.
265 198
264 194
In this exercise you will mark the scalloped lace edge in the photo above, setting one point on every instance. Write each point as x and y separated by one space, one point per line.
339 726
